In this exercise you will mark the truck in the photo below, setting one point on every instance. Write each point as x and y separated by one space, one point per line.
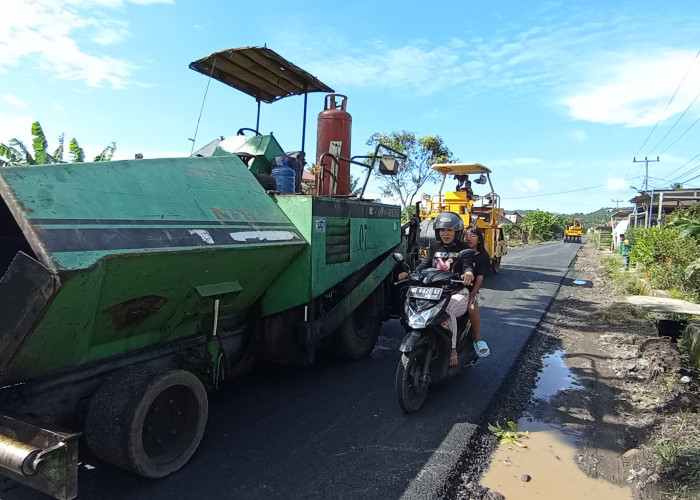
130 290
573 232
482 211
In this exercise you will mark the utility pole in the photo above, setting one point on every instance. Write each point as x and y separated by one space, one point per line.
618 203
646 173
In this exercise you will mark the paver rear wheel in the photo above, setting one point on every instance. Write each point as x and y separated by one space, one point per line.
147 420
358 334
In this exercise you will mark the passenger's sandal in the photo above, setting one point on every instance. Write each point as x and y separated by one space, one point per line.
482 349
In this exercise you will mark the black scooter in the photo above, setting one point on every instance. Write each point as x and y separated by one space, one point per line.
426 348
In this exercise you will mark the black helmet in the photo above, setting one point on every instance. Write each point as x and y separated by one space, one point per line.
449 220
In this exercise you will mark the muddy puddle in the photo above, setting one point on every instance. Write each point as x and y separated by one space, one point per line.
546 468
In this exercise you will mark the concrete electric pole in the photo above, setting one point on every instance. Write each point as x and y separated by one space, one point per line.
646 170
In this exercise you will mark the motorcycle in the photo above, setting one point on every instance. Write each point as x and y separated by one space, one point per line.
426 348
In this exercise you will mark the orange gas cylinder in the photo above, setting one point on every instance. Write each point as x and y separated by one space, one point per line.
333 136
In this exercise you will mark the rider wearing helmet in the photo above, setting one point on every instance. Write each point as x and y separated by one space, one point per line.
442 254
449 220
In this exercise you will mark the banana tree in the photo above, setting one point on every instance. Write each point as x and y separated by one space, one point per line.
17 153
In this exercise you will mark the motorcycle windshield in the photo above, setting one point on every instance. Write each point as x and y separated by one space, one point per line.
435 275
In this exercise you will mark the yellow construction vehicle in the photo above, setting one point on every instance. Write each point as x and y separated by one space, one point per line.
573 232
481 210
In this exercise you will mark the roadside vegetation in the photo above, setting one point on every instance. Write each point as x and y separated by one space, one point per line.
669 259
538 226
17 153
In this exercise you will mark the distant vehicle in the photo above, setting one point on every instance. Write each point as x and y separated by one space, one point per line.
481 210
573 232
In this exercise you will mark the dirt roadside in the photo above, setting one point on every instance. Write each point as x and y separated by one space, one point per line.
628 409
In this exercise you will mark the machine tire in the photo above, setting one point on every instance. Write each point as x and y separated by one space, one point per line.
410 394
495 265
135 409
358 335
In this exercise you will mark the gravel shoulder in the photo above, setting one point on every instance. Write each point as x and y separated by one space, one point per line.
633 414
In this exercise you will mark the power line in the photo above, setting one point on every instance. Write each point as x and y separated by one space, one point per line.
688 173
686 131
676 123
668 104
553 194
679 168
691 179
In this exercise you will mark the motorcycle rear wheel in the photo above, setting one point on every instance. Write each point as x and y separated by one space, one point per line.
409 388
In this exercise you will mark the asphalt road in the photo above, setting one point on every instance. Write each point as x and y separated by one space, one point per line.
335 430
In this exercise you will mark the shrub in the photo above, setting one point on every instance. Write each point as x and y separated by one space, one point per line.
666 255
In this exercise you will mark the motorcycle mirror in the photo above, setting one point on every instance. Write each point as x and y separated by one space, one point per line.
466 253
398 257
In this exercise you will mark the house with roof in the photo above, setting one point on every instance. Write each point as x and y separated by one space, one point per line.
650 207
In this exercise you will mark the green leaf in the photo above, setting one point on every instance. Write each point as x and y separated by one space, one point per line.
495 428
26 157
76 152
58 154
39 144
107 153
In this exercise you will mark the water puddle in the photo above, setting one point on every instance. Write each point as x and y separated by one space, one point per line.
546 469
549 462
554 377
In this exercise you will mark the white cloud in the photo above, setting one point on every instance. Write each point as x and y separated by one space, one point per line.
639 90
19 127
13 101
47 30
617 184
577 135
564 56
109 32
526 186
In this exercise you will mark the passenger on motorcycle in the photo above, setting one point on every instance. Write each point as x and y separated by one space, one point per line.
442 254
474 238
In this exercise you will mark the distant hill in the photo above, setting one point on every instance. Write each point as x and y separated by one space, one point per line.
593 219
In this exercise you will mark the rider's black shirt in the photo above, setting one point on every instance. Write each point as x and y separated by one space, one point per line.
441 256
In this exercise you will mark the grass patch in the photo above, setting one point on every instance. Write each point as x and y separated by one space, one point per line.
680 463
626 279
678 455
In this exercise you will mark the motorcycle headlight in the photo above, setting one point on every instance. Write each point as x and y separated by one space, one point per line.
421 319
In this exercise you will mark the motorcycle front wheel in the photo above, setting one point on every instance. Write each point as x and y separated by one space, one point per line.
411 382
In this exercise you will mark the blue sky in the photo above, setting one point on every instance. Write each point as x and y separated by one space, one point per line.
557 98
